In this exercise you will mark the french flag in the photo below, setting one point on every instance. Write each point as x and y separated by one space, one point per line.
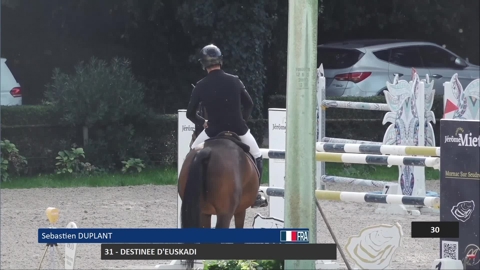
288 236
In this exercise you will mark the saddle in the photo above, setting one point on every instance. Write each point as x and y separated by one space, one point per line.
232 136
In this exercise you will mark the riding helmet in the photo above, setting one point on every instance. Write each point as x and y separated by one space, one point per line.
210 56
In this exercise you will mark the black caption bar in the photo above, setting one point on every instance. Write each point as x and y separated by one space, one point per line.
218 252
435 229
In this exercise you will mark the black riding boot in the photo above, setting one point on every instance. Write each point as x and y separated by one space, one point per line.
261 200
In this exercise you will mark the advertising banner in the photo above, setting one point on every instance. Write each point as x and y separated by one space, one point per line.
277 122
460 189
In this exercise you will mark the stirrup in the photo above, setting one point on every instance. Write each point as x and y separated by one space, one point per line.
261 200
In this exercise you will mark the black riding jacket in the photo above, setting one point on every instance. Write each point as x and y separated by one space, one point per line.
222 96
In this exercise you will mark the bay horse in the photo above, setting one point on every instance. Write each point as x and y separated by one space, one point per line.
219 179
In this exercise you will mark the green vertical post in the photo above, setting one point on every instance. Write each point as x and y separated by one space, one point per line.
300 160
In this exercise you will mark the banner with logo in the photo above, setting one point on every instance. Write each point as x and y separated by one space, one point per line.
277 128
460 189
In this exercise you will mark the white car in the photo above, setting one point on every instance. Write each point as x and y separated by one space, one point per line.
361 67
11 92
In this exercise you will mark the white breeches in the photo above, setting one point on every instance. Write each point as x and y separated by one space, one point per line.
247 139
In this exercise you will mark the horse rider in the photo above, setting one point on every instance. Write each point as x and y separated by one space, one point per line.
222 95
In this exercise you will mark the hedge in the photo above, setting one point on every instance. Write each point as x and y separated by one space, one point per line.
38 135
36 132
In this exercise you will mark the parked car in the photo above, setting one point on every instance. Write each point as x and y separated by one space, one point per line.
11 92
362 67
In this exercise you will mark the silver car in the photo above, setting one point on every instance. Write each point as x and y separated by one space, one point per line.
362 67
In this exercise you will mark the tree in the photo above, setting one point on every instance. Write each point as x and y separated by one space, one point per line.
236 27
104 97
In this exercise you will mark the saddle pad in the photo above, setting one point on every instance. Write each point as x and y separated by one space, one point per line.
232 136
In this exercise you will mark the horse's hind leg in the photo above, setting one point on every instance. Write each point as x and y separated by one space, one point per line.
206 221
223 221
240 219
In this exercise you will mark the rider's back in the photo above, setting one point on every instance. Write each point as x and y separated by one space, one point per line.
220 94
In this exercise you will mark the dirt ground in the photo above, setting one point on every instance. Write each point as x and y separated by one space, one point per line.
23 212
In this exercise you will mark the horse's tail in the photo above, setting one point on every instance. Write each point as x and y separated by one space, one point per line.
194 188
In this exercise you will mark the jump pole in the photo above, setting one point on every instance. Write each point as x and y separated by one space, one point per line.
401 150
424 92
300 161
363 197
387 160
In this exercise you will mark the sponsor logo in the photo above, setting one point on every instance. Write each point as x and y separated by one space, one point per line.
472 255
463 210
280 126
463 139
374 242
188 128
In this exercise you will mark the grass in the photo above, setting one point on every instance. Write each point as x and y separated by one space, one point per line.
165 176
168 176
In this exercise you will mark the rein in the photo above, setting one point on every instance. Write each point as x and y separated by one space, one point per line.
201 111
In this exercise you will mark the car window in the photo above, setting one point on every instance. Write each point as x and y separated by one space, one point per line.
406 57
434 57
382 55
333 58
